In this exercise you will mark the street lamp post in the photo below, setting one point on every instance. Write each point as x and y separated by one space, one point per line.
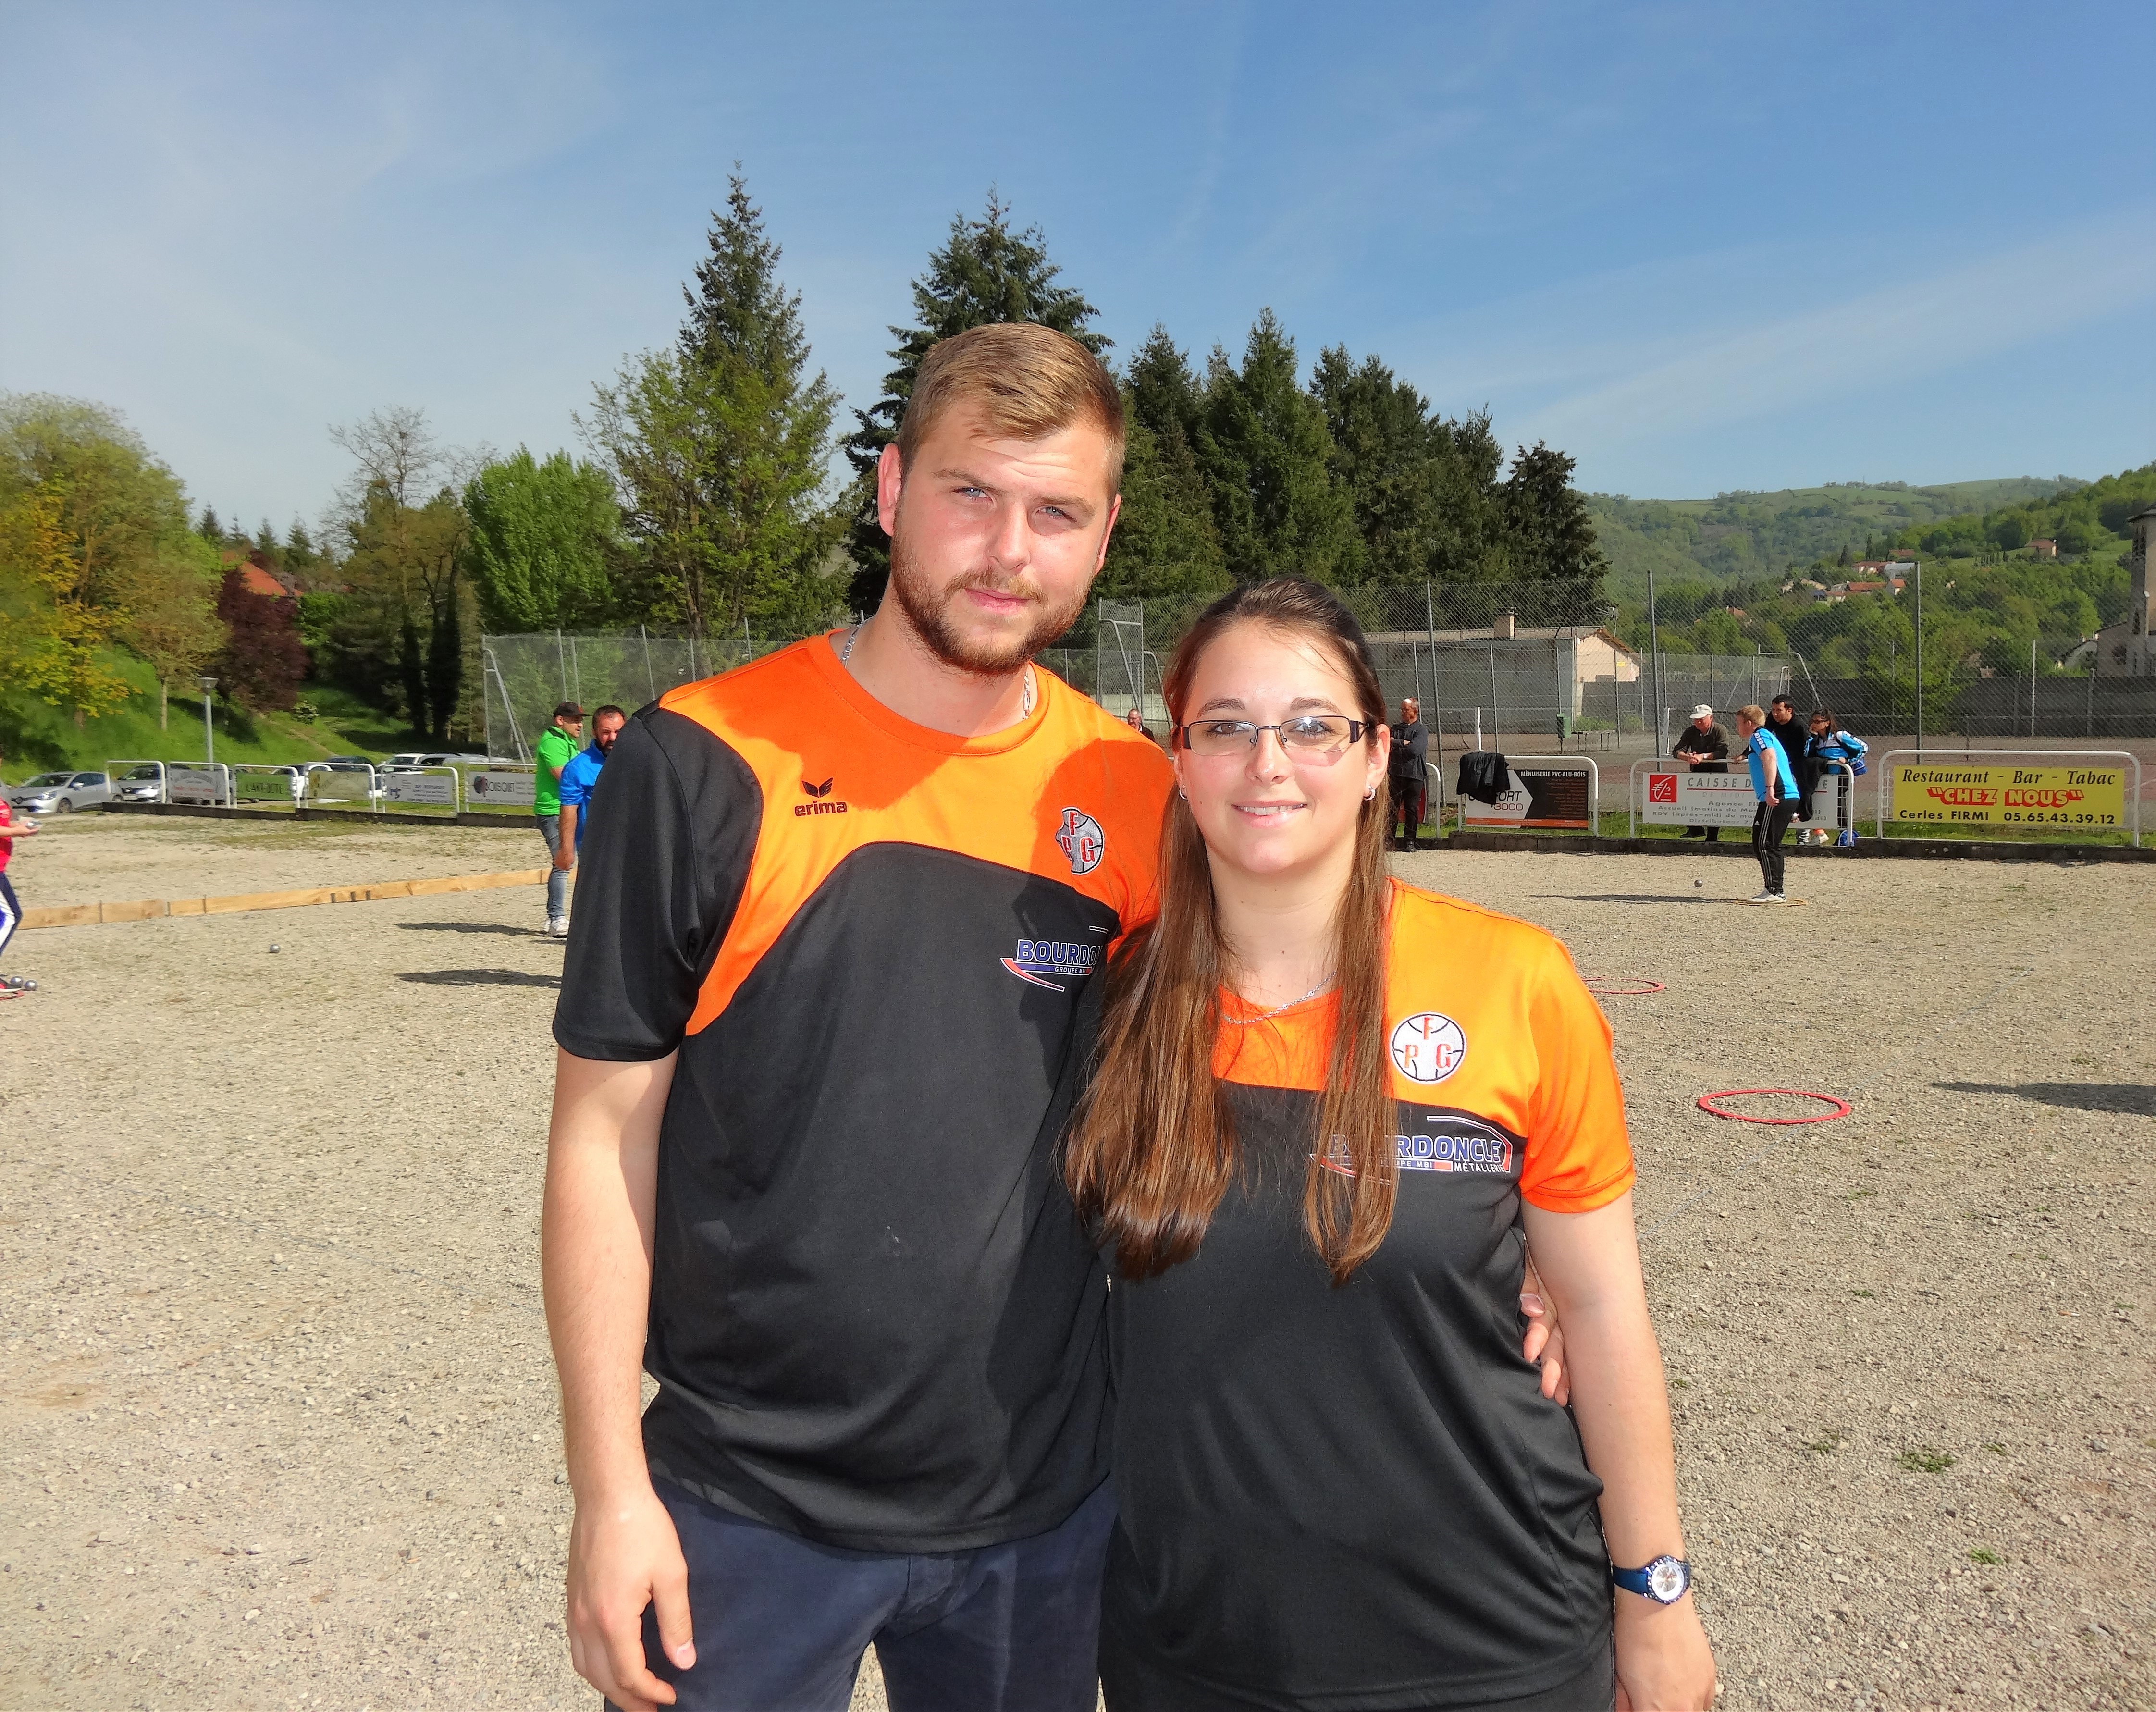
209 728
1920 658
1654 650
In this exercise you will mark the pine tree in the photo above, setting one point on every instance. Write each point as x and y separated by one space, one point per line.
1265 448
1424 487
1165 540
986 273
209 528
1550 531
720 449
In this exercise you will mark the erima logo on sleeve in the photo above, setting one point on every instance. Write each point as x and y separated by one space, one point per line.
1039 960
820 800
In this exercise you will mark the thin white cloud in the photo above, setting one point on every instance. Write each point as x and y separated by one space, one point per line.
1897 333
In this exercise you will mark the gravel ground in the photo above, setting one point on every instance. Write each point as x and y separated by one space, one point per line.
280 1425
113 858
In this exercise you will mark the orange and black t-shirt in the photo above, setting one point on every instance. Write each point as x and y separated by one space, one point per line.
874 1320
1357 1496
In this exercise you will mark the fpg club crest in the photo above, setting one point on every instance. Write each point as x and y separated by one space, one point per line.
1427 1046
1081 841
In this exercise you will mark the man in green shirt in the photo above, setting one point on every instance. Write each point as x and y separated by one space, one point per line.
557 745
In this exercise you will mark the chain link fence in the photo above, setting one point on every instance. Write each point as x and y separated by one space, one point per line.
1526 667
525 678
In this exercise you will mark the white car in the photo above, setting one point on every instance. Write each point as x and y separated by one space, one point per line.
140 784
59 793
415 758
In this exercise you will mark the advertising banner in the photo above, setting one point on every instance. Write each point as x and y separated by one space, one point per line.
1697 799
438 789
201 785
2010 795
346 783
251 786
498 790
1541 793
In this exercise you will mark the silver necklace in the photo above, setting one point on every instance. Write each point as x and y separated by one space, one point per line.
1263 1015
1025 696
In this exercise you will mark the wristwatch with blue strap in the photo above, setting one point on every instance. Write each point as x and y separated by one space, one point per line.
1664 1580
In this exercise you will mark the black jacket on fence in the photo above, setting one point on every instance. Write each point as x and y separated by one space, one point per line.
1484 775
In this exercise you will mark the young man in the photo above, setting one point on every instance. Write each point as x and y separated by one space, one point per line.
579 779
837 916
1704 746
1409 779
1774 789
1786 728
557 747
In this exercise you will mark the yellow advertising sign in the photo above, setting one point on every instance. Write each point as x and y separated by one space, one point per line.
2010 795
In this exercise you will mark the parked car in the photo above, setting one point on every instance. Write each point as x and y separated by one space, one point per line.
60 793
433 758
140 784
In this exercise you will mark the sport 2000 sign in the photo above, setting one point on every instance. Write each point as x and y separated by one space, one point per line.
2011 796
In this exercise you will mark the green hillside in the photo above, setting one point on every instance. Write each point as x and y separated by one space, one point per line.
1753 572
1746 538
34 737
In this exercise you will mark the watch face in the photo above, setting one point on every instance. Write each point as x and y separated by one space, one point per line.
1666 1580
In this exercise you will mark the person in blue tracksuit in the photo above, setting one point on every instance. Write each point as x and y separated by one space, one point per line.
1827 743
1774 787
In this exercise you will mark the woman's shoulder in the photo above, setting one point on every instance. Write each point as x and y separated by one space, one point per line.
1438 920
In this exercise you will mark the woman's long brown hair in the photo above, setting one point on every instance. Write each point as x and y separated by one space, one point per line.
1154 1147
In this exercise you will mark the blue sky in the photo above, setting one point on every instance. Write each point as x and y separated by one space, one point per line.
1699 247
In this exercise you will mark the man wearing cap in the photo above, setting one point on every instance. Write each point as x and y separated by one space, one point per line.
1704 745
557 747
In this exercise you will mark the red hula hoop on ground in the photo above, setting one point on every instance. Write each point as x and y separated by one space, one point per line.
1624 986
1707 1104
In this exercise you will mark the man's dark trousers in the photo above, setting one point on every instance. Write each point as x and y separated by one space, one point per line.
1410 801
1770 821
781 1621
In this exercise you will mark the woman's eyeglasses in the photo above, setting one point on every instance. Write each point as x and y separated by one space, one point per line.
1310 735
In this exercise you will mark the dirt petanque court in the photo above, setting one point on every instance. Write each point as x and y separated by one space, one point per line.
277 1417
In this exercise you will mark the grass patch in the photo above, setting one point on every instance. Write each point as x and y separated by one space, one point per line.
1867 1295
1995 1448
37 738
1827 1443
1924 1460
1980 1556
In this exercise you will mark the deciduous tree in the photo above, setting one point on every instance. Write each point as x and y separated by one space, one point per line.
542 538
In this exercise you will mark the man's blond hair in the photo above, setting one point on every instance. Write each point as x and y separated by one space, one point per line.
1753 711
1026 380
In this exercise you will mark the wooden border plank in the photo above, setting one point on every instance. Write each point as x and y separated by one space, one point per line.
150 908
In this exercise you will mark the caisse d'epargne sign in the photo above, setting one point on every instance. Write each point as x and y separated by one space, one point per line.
2010 796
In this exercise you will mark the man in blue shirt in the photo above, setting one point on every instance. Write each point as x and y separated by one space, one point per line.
580 778
1774 787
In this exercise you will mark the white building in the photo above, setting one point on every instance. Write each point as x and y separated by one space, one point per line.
2128 649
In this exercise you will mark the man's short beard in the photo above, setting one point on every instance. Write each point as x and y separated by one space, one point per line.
928 606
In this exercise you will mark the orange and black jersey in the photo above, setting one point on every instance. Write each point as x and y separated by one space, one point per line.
874 1320
1356 1496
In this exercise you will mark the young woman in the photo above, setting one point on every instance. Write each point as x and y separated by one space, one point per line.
1829 743
1330 1112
